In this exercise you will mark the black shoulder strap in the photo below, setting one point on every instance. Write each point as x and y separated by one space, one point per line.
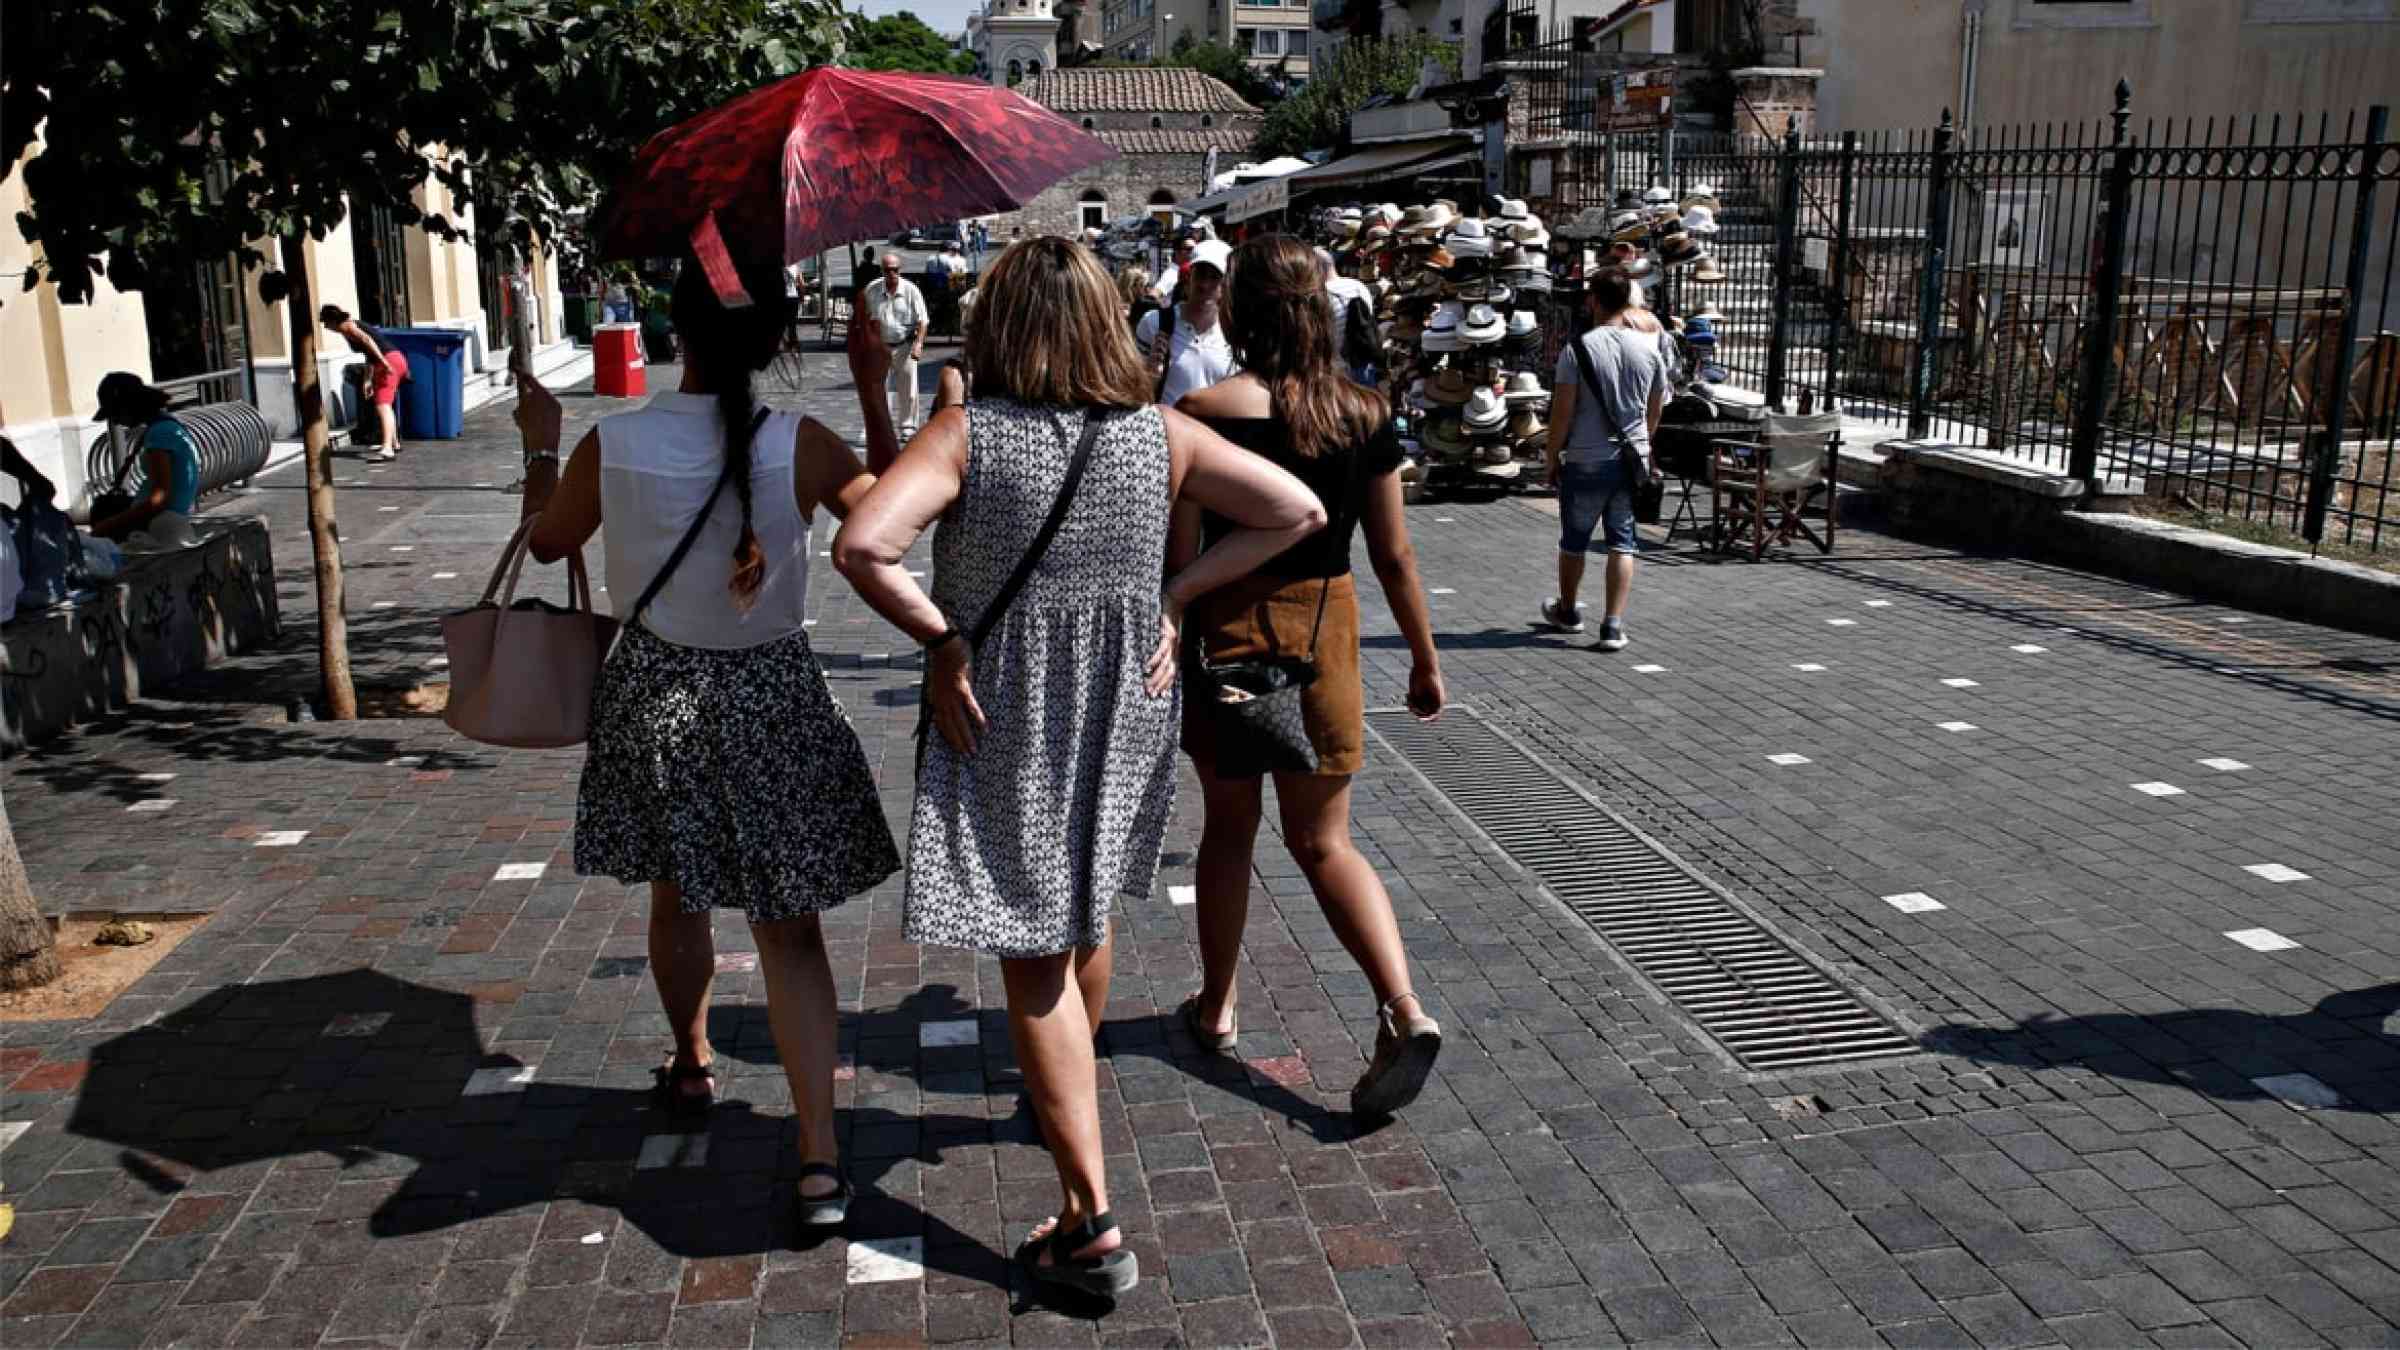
692 534
1166 331
1041 540
1591 382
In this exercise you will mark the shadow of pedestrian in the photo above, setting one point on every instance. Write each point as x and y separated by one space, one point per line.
390 1080
2349 1041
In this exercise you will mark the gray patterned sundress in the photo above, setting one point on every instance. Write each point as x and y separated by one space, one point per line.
1019 849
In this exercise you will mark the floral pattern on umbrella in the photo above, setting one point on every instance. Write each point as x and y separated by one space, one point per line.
831 156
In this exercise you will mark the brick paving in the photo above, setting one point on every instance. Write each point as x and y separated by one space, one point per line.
392 1093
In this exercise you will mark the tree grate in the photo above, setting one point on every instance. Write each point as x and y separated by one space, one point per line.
1770 1008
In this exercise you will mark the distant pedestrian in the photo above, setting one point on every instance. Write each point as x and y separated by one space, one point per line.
898 310
1171 276
1133 283
1606 398
386 368
624 293
1046 782
720 770
1355 335
1185 340
1291 406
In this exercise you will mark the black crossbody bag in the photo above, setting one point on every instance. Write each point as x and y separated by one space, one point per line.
990 618
1649 492
1255 706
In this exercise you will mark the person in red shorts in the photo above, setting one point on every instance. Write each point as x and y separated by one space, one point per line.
385 370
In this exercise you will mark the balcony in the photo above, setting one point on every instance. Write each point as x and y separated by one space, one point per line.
1360 18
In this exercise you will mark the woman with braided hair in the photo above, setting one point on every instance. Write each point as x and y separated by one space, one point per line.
720 770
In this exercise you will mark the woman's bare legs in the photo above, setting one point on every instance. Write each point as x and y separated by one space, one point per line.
390 425
683 963
1052 1032
800 1010
1221 889
1094 968
1316 829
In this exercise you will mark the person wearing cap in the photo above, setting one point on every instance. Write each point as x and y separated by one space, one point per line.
898 310
170 463
1184 342
1592 429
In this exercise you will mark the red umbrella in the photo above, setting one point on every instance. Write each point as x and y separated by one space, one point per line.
830 156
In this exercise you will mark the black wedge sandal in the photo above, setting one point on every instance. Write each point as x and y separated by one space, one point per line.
676 1101
824 1211
1105 1276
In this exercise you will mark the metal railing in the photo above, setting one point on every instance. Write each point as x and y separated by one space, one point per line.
2204 307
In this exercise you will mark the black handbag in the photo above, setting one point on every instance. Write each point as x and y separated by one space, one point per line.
1007 593
1256 706
1649 491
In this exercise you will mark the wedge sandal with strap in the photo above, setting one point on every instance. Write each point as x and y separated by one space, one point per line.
1405 1048
670 1093
1222 1042
823 1211
1106 1276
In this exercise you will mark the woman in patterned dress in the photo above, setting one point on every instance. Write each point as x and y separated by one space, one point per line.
720 769
1046 791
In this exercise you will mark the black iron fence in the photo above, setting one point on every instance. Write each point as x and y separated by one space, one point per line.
2205 307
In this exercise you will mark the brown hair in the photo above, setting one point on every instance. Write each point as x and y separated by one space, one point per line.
1050 329
1281 329
1612 290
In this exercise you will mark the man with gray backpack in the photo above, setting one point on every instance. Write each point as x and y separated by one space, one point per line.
1608 393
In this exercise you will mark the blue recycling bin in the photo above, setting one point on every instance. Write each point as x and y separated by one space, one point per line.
433 399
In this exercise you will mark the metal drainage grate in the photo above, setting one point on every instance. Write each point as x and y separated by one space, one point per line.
1743 985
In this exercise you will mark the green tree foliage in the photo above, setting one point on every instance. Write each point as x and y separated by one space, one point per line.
1318 117
903 42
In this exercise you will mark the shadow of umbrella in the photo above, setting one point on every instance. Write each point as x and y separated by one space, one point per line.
378 1074
2349 1041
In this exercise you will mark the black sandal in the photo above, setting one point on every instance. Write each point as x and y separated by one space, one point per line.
1105 1276
824 1211
678 1102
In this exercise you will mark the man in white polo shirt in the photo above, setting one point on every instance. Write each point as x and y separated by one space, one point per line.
898 310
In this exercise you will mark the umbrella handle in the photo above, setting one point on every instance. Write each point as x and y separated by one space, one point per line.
709 247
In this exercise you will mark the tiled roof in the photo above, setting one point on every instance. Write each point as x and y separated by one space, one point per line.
1143 89
1195 141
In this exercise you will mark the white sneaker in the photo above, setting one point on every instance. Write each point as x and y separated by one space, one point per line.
384 455
1560 619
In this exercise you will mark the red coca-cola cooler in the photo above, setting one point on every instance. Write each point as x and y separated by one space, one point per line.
617 370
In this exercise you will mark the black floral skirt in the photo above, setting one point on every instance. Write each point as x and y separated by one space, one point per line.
732 774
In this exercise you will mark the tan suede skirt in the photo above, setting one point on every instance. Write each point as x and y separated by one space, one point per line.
1272 616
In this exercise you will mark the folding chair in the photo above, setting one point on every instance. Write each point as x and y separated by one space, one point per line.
1759 491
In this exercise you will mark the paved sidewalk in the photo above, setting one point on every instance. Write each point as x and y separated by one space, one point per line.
392 1092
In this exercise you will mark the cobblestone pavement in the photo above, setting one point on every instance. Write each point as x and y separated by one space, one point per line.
392 1092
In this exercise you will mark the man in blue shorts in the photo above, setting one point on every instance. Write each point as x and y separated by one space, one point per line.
1605 402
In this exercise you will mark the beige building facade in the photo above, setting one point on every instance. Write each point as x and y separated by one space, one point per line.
1274 34
209 335
1899 63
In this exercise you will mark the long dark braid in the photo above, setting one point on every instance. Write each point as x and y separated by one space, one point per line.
729 344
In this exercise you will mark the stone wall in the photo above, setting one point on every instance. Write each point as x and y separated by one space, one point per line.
1127 180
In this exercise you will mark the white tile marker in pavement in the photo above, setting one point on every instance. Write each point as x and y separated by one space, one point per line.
155 777
1649 670
520 871
1961 682
1914 902
2158 789
1956 726
1879 604
445 576
1787 760
1444 590
10 1129
153 804
277 838
2300 1091
1809 666
1182 895
958 1031
1841 623
2275 872
2223 765
672 1150
2028 649
2262 939
488 1082
878 1260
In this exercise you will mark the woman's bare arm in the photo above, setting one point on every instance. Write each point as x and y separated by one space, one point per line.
825 472
1272 509
570 514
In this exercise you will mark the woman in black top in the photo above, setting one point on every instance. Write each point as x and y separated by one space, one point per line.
1294 405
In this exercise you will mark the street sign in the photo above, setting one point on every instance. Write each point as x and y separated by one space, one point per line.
1265 199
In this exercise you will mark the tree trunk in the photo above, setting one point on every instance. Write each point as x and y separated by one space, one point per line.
333 627
28 950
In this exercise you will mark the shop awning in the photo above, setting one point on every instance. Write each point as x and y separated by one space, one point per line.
1384 161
